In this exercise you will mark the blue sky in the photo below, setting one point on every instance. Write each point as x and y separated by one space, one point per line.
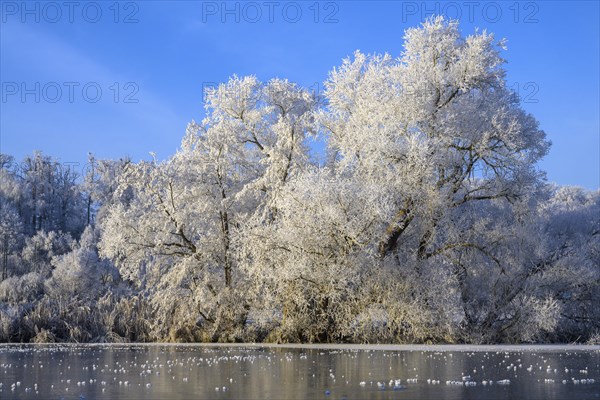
125 79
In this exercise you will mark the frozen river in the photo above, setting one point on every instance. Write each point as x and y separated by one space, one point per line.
297 372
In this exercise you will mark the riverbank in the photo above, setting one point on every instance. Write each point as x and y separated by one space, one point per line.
336 346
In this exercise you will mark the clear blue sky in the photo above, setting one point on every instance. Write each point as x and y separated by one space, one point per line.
163 53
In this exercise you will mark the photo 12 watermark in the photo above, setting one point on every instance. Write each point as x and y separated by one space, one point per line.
526 92
525 12
53 12
69 92
326 12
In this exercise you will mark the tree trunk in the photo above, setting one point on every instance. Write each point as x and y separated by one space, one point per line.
402 220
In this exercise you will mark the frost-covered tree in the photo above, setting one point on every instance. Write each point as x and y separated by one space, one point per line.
413 142
308 262
438 127
99 185
80 274
12 229
567 255
74 305
536 269
11 238
42 247
176 232
51 199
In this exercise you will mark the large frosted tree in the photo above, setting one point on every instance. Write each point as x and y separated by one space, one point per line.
438 127
414 142
177 231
